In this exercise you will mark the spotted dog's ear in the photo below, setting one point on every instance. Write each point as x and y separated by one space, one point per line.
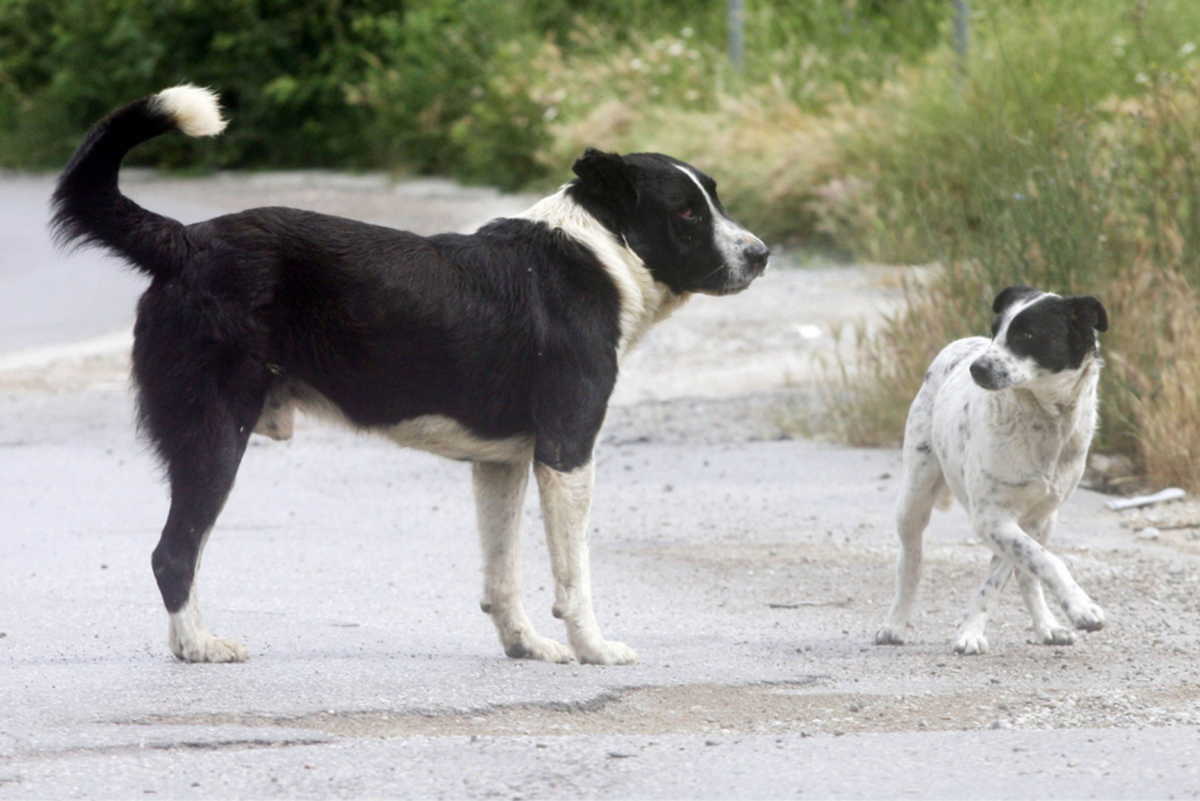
605 175
1088 311
1011 295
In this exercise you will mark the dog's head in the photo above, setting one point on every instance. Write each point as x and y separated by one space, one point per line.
669 214
1036 335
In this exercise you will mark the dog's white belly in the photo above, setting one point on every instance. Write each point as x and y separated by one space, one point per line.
434 433
446 437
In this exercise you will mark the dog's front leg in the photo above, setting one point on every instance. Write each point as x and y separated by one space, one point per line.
499 492
971 638
566 499
1007 539
1046 627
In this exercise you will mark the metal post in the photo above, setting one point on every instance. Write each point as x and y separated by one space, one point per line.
962 39
736 31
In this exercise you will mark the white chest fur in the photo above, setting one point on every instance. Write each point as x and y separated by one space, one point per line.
1023 447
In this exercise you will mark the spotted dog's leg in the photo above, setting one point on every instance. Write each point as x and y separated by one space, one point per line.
1047 630
566 499
499 492
924 485
1007 539
971 639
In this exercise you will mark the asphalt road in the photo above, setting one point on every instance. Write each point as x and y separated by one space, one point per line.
748 569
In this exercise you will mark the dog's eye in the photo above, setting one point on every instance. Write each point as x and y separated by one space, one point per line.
689 214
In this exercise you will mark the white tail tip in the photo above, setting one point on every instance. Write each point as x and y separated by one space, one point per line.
195 110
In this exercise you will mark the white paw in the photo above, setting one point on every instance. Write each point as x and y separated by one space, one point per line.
1086 615
606 652
204 647
889 636
533 646
1055 635
971 643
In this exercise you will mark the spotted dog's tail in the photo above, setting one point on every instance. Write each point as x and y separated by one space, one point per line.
89 207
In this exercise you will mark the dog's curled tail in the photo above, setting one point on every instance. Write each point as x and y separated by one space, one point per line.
89 207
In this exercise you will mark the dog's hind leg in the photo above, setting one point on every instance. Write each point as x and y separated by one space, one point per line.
200 479
199 411
499 492
924 486
1046 628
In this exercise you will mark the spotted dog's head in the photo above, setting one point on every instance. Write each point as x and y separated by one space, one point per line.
669 214
1038 334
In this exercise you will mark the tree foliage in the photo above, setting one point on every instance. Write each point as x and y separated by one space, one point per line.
426 85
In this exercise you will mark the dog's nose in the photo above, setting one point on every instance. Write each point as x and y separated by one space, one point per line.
981 375
756 255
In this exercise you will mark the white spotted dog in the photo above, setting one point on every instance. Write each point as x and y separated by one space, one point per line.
500 347
1004 425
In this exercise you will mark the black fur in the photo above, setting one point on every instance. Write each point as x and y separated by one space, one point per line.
511 331
662 215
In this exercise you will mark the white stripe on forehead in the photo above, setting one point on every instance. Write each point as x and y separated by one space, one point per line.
711 206
730 237
1016 308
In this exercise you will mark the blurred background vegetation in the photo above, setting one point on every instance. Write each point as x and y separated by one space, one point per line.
1061 151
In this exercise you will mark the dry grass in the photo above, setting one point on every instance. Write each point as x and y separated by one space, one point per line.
1155 367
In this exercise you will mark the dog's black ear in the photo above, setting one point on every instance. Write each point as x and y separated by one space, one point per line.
605 175
1010 295
1089 311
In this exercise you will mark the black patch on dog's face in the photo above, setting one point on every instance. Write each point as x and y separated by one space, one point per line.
669 213
1010 295
1035 334
1057 333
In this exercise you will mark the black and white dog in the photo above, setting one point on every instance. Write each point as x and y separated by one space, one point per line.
1005 425
500 347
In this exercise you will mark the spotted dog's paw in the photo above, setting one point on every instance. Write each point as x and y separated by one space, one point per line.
1055 635
1085 615
971 643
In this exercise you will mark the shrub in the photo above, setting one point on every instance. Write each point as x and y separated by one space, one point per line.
468 88
280 69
